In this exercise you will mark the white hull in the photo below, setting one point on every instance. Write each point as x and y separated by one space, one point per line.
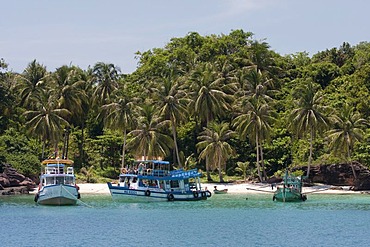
57 195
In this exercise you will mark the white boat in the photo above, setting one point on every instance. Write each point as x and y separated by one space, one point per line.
153 180
57 183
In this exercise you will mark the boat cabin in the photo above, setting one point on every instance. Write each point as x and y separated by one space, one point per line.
156 175
57 173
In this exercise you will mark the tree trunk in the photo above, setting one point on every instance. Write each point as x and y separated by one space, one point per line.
82 145
263 164
175 142
353 168
258 159
43 150
123 149
209 179
220 173
310 157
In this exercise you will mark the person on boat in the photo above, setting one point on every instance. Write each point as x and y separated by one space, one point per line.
215 187
141 168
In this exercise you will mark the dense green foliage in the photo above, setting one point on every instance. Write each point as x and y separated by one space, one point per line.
225 103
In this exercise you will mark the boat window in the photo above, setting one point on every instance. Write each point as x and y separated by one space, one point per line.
122 179
161 184
144 182
69 180
153 183
50 180
60 180
175 184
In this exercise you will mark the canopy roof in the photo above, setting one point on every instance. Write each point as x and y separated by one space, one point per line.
153 161
57 161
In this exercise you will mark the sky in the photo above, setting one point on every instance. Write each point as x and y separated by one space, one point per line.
84 32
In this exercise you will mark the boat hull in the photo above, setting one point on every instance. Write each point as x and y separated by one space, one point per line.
224 191
287 195
57 195
155 194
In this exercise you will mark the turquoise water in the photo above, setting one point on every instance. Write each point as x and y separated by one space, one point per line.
223 220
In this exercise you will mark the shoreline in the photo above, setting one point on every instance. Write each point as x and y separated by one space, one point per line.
233 188
240 188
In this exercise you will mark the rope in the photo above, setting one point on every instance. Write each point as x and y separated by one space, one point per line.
85 204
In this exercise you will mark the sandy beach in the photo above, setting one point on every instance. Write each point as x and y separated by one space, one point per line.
240 188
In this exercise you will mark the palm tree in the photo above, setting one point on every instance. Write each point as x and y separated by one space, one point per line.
348 129
68 89
243 168
147 139
210 99
261 57
309 115
258 86
214 146
105 80
173 105
254 122
209 94
47 121
32 83
120 115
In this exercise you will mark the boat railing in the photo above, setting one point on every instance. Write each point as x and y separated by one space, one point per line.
54 170
146 172
160 173
50 170
70 170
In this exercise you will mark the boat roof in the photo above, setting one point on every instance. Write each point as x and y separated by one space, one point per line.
57 161
173 175
55 165
57 175
153 161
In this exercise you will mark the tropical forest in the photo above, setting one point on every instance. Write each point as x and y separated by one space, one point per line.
226 104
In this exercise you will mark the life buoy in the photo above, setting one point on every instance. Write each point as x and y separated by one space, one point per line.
170 197
195 194
209 194
147 193
203 194
123 170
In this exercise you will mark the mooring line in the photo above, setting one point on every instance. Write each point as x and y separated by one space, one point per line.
84 203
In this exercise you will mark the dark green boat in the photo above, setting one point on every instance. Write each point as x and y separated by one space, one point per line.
290 191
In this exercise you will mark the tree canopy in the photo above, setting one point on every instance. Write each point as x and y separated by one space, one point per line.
290 110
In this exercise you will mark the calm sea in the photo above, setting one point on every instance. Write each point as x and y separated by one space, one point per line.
223 220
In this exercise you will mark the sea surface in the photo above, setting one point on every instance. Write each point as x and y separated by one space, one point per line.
222 220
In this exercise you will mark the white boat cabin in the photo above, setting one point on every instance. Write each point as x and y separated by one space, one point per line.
58 174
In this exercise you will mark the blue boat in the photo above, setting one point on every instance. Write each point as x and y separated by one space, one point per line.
153 180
